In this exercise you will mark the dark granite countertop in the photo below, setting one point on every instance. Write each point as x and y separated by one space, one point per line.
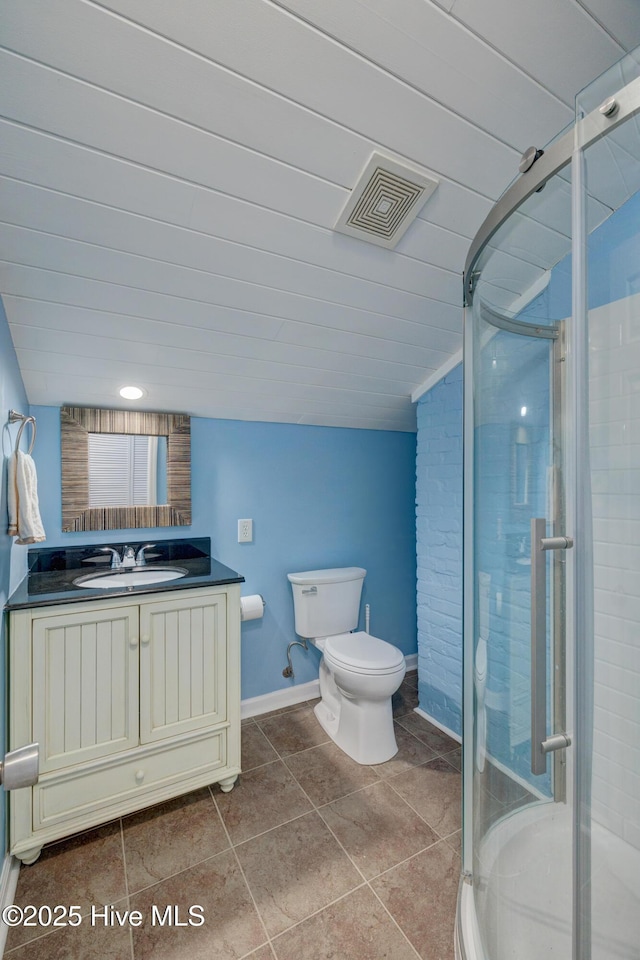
53 570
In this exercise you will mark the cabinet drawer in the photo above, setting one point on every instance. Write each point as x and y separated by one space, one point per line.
113 786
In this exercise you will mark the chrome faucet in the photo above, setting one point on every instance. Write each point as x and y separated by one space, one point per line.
116 562
129 557
140 557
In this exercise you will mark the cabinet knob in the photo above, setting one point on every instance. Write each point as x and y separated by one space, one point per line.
145 639
133 642
139 776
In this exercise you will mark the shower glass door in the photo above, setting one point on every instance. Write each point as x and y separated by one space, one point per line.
551 827
520 793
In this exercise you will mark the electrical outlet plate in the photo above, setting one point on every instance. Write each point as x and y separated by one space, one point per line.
245 531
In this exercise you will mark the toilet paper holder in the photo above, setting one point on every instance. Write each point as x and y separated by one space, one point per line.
252 607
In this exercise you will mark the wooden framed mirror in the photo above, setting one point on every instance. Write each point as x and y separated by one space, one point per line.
84 428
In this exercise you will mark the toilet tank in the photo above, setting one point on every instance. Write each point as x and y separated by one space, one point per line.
327 602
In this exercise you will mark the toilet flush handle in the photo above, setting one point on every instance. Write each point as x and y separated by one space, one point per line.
311 590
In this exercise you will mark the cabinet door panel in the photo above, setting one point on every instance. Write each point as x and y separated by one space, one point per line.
182 666
85 685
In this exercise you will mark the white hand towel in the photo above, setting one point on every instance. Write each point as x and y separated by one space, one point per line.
22 499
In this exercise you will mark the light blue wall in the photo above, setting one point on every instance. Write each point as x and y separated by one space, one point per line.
318 497
439 550
12 558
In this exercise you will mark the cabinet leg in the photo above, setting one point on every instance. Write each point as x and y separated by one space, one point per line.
27 857
227 785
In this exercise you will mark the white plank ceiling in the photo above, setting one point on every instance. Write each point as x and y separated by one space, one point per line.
171 173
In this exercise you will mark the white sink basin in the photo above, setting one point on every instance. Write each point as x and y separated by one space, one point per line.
129 578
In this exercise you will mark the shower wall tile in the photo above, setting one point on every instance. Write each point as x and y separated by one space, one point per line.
614 413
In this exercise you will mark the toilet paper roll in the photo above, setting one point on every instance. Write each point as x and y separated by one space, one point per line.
251 608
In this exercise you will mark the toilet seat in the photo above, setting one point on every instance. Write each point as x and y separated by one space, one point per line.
361 653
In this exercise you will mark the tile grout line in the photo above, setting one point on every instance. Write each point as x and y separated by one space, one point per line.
314 809
48 931
126 883
273 950
388 870
424 819
367 882
242 874
178 873
320 806
284 756
380 778
198 863
438 752
317 912
393 919
317 809
393 866
263 833
401 863
355 865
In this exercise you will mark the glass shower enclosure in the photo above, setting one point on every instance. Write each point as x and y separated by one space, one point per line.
551 820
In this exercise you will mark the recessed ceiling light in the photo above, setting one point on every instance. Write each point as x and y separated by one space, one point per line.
131 393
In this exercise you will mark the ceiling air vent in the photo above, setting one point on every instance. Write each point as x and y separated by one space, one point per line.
386 198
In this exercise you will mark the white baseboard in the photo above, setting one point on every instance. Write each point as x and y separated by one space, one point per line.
436 723
8 884
254 706
279 699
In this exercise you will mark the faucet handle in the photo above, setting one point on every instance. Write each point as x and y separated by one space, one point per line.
116 562
140 557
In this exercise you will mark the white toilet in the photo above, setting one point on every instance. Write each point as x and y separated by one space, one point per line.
358 673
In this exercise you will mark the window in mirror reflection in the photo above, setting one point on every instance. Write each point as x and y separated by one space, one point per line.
521 466
127 470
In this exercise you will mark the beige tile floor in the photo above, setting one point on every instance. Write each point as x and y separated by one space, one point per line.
310 857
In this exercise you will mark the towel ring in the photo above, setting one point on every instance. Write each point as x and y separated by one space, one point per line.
25 420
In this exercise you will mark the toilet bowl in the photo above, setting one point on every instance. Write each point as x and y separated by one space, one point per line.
358 676
359 673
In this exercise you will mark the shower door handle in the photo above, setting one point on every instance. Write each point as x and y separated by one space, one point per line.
540 743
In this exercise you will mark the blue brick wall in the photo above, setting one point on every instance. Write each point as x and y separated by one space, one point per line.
439 550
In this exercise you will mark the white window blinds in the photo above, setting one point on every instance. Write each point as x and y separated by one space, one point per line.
122 470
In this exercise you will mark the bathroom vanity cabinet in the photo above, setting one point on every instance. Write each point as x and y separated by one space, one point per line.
131 702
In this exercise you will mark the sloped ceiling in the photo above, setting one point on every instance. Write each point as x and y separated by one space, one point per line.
172 171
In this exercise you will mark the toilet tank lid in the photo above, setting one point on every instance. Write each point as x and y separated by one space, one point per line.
334 575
